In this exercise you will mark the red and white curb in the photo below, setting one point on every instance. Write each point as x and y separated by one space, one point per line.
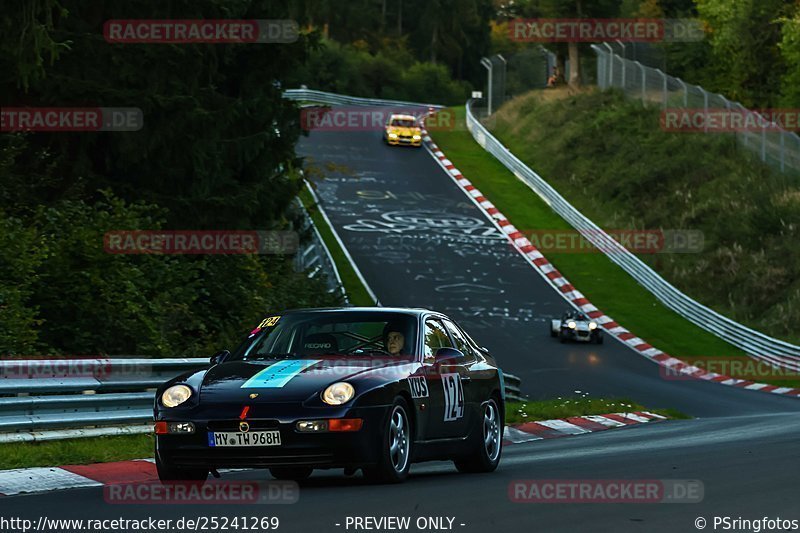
575 297
43 479
576 425
31 480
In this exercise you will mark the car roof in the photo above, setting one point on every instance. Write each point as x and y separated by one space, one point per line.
414 311
402 116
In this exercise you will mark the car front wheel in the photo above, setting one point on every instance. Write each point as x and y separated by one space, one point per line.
395 445
486 456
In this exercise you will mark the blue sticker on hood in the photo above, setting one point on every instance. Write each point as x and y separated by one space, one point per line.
279 374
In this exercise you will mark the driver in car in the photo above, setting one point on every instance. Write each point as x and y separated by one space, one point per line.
393 339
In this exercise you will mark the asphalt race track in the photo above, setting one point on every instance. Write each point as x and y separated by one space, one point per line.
420 242
748 470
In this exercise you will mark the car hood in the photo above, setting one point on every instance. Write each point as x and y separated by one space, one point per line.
289 380
403 131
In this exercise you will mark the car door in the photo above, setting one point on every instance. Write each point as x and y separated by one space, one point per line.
472 388
445 385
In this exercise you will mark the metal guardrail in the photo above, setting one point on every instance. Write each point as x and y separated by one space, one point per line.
314 257
310 95
758 345
116 396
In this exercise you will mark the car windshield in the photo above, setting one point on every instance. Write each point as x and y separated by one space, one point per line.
403 123
348 333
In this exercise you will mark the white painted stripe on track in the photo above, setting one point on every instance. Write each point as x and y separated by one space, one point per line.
19 481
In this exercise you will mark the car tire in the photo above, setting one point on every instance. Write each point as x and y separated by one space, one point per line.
291 473
489 448
553 334
395 445
599 339
562 337
170 474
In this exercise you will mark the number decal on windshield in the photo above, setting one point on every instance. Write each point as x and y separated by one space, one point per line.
269 322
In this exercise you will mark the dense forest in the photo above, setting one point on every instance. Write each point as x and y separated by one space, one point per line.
217 147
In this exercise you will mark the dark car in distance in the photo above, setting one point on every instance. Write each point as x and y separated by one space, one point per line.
375 389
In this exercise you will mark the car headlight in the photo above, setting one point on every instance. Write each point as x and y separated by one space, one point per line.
393 136
175 395
592 325
571 324
417 137
338 393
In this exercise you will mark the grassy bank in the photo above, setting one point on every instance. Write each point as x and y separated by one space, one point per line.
604 283
75 451
519 412
611 159
355 290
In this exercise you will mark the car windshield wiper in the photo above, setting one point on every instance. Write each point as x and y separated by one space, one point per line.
264 356
370 351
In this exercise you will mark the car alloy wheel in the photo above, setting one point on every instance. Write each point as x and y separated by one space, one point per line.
485 456
491 430
399 439
395 446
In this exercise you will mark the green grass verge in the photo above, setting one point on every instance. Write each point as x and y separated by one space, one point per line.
520 412
355 290
604 283
75 451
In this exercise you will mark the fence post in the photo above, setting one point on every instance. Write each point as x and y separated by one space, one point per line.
685 92
610 64
664 76
783 142
705 109
644 82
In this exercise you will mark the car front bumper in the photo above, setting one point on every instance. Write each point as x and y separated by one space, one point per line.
579 335
404 141
318 450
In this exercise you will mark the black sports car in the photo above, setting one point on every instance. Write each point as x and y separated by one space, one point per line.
369 388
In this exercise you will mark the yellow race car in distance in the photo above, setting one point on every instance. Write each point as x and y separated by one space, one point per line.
402 130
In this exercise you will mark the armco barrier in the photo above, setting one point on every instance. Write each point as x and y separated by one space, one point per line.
310 95
110 396
758 345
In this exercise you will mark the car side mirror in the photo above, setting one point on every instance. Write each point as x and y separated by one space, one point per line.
448 355
219 357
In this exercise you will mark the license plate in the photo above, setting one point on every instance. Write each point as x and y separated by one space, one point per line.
243 440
